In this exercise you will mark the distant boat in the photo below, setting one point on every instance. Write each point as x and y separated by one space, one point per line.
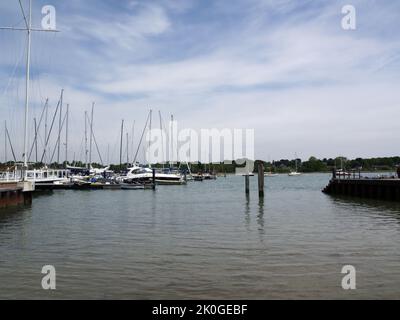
342 173
209 176
134 186
270 174
198 177
295 172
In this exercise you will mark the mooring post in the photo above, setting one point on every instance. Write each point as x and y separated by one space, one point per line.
247 184
154 179
261 180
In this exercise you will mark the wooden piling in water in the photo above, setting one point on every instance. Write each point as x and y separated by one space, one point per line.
154 179
261 180
247 184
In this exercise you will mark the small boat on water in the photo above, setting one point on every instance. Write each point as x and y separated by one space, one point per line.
169 176
270 174
135 186
209 176
198 177
294 173
111 186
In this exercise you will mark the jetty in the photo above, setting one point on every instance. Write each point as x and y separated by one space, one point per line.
13 193
355 185
93 186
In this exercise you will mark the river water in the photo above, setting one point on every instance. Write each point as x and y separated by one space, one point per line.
203 240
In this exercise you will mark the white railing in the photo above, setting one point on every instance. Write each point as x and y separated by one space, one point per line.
34 175
10 176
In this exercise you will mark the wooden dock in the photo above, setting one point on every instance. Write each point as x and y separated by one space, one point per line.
363 187
91 186
15 193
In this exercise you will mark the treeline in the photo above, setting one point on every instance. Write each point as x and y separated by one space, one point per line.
281 166
324 165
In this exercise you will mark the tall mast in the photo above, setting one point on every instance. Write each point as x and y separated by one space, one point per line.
91 136
127 148
66 136
148 152
28 65
86 150
108 154
5 141
132 138
28 29
36 158
120 147
162 139
11 147
172 142
45 127
59 127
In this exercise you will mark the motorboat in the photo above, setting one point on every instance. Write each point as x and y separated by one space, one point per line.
145 175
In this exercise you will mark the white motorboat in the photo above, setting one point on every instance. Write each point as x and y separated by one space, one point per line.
145 175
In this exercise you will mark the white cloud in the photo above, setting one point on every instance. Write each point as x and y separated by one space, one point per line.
291 73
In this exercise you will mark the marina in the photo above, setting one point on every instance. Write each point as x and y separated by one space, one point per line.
133 146
202 240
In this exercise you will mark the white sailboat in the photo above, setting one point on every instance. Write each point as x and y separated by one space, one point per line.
42 175
294 173
165 176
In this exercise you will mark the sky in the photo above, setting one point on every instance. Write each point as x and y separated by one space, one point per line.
285 68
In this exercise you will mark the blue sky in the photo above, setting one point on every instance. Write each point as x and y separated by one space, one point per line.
285 68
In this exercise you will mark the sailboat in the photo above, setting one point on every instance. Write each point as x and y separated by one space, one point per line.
295 172
42 175
138 174
171 175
